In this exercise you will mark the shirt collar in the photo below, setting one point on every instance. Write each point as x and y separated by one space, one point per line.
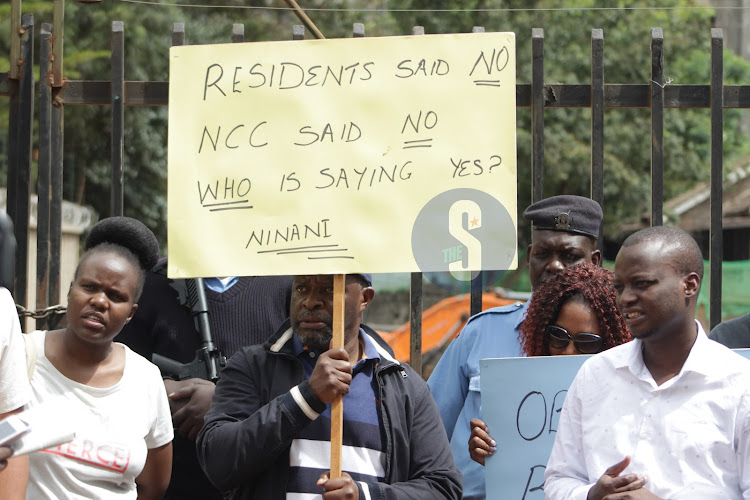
522 316
699 359
370 351
220 285
297 346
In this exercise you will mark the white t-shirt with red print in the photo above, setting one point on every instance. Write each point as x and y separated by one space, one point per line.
115 428
14 383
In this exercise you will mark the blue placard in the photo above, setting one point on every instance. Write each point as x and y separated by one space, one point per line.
521 403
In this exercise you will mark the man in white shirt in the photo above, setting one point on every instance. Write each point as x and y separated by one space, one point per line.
666 415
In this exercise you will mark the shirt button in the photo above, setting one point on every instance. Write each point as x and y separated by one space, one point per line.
312 354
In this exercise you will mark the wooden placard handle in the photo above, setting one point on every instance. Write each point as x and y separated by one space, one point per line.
337 406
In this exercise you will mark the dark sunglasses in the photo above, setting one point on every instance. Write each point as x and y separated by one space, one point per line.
585 343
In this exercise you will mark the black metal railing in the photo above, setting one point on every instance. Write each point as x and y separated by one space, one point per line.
54 94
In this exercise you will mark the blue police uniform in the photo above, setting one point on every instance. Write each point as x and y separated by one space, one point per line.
455 381
494 334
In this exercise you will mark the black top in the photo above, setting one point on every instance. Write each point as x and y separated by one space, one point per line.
734 333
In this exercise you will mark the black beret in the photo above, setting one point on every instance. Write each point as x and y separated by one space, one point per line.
568 213
129 233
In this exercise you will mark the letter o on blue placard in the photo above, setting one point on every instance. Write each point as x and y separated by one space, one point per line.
533 404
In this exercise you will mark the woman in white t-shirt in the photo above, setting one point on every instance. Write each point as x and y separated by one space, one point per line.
14 393
123 443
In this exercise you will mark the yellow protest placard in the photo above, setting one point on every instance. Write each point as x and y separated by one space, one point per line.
369 155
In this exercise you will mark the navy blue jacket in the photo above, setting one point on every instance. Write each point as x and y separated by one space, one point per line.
262 402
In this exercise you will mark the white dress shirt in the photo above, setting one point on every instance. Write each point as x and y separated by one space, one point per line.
690 436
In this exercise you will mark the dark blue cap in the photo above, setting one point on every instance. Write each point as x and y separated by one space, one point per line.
568 213
366 277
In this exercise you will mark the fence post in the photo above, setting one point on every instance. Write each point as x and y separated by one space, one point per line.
537 114
178 34
298 32
15 39
43 176
57 134
657 126
416 302
56 166
238 33
597 121
21 125
717 175
476 282
58 33
117 202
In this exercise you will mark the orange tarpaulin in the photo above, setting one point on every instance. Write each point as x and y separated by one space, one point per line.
441 323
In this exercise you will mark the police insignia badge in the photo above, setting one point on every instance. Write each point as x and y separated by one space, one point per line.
562 221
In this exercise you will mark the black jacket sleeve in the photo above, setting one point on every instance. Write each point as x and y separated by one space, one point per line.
246 429
428 471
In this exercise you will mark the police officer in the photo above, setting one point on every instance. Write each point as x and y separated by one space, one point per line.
564 233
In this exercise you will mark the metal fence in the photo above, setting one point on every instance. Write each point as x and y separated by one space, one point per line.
54 94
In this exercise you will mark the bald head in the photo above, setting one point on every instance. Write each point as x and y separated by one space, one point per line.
679 249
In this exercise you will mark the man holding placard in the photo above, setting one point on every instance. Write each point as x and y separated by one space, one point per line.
666 415
267 433
564 233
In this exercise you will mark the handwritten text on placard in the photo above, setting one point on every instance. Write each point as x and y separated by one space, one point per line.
317 156
521 403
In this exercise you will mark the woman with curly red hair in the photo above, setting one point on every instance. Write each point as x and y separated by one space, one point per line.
575 312
584 292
